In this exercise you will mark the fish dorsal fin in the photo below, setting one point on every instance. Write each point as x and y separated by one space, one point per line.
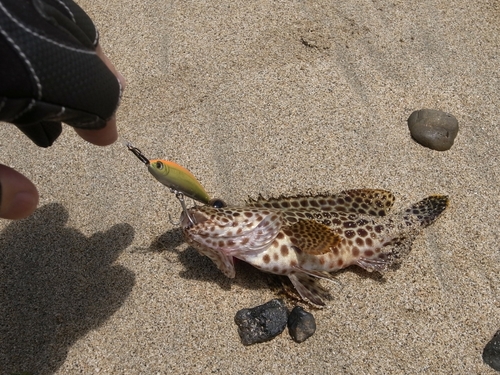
375 202
311 237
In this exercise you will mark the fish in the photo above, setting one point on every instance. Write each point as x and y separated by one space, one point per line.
309 238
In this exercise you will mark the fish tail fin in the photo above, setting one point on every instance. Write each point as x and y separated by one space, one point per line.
398 245
426 211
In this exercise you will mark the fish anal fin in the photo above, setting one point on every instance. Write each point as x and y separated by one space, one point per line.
308 288
311 237
319 274
379 264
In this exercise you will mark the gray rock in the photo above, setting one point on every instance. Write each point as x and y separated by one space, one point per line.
491 352
433 129
301 324
261 323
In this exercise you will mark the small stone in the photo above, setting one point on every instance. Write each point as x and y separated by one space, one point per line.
301 324
491 352
261 323
433 129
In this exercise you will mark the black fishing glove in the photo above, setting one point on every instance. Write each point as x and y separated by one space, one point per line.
49 70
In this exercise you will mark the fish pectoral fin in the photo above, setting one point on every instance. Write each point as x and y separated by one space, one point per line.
258 239
311 237
309 288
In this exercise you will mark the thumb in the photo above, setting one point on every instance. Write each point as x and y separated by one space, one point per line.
18 195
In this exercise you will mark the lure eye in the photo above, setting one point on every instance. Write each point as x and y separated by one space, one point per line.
217 203
159 165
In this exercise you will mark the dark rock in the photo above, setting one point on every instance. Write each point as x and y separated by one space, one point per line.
433 129
301 324
491 352
262 323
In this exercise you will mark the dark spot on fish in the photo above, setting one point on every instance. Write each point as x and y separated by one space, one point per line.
378 228
349 233
340 262
359 241
280 236
362 232
266 258
295 204
276 256
355 251
248 214
304 203
368 253
284 250
349 224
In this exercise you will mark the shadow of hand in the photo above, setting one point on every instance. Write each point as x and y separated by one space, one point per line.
55 286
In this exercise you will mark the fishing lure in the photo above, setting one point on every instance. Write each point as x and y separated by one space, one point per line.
173 176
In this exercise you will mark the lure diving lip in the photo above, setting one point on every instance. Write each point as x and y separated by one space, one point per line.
173 175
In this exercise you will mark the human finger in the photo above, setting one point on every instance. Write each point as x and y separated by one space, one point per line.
18 195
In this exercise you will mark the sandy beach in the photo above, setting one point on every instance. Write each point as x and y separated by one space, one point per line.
271 98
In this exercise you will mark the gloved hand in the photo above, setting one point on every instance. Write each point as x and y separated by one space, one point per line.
50 71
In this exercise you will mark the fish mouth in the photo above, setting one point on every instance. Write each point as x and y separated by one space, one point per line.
190 218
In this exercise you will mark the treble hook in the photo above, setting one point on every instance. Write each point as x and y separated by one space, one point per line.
180 198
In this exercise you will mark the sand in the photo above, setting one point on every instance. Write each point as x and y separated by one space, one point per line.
270 97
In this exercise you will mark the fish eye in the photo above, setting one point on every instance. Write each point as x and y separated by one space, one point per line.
217 203
159 165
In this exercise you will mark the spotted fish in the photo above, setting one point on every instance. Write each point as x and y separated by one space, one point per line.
308 237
